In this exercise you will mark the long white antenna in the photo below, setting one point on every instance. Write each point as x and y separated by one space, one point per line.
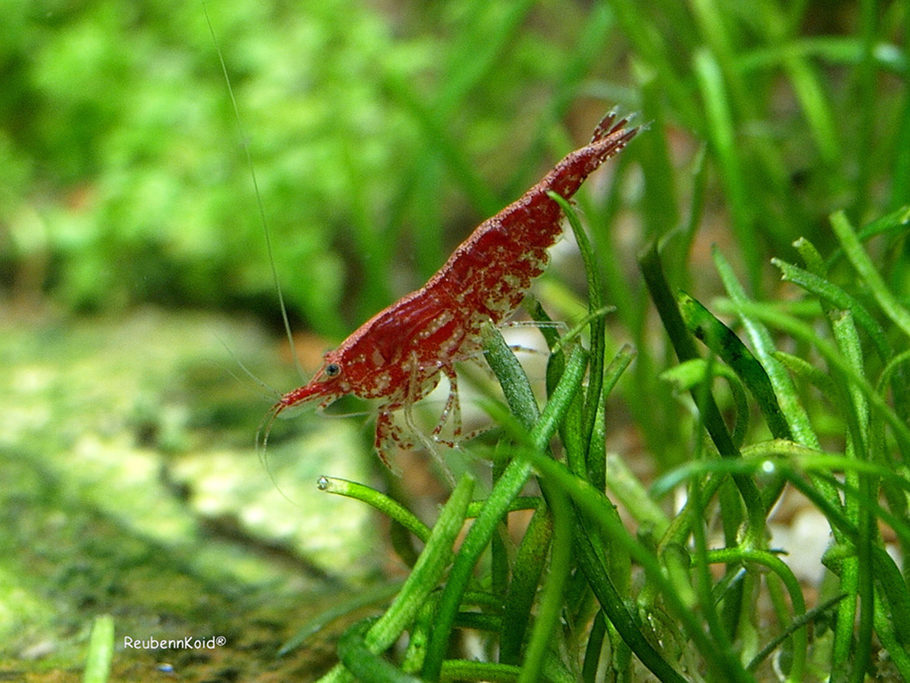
241 131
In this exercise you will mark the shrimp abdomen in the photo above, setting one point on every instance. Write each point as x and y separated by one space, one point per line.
492 269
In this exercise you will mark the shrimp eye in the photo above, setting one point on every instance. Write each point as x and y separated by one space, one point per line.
332 370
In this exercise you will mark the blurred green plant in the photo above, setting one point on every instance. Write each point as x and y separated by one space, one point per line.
100 650
377 136
122 181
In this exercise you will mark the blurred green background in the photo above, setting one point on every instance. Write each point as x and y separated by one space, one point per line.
380 133
132 252
372 130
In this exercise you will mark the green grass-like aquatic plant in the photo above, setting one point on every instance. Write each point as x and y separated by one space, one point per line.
377 133
583 595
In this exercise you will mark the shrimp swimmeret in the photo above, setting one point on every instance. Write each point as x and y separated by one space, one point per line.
398 355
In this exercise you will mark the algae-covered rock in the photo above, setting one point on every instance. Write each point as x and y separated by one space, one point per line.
132 486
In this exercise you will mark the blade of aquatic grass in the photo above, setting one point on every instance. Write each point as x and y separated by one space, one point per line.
373 249
862 130
402 542
478 621
571 432
893 224
721 630
485 35
418 635
895 373
574 332
514 382
856 408
463 171
628 490
429 249
763 344
381 502
621 617
570 429
837 50
616 563
506 489
863 265
100 652
464 670
806 85
815 264
519 503
714 64
548 328
734 595
597 465
720 131
651 407
656 53
684 346
851 247
572 75
723 342
852 637
593 649
680 527
798 623
602 222
647 403
802 368
776 362
661 211
423 579
489 30
681 251
592 400
360 661
718 32
689 375
882 567
900 176
898 522
551 601
526 571
836 297
477 49
371 596
893 589
777 566
897 650
765 456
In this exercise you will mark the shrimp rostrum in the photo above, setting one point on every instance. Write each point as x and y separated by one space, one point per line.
398 355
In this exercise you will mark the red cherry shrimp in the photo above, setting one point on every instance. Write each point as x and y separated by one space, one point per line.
398 356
